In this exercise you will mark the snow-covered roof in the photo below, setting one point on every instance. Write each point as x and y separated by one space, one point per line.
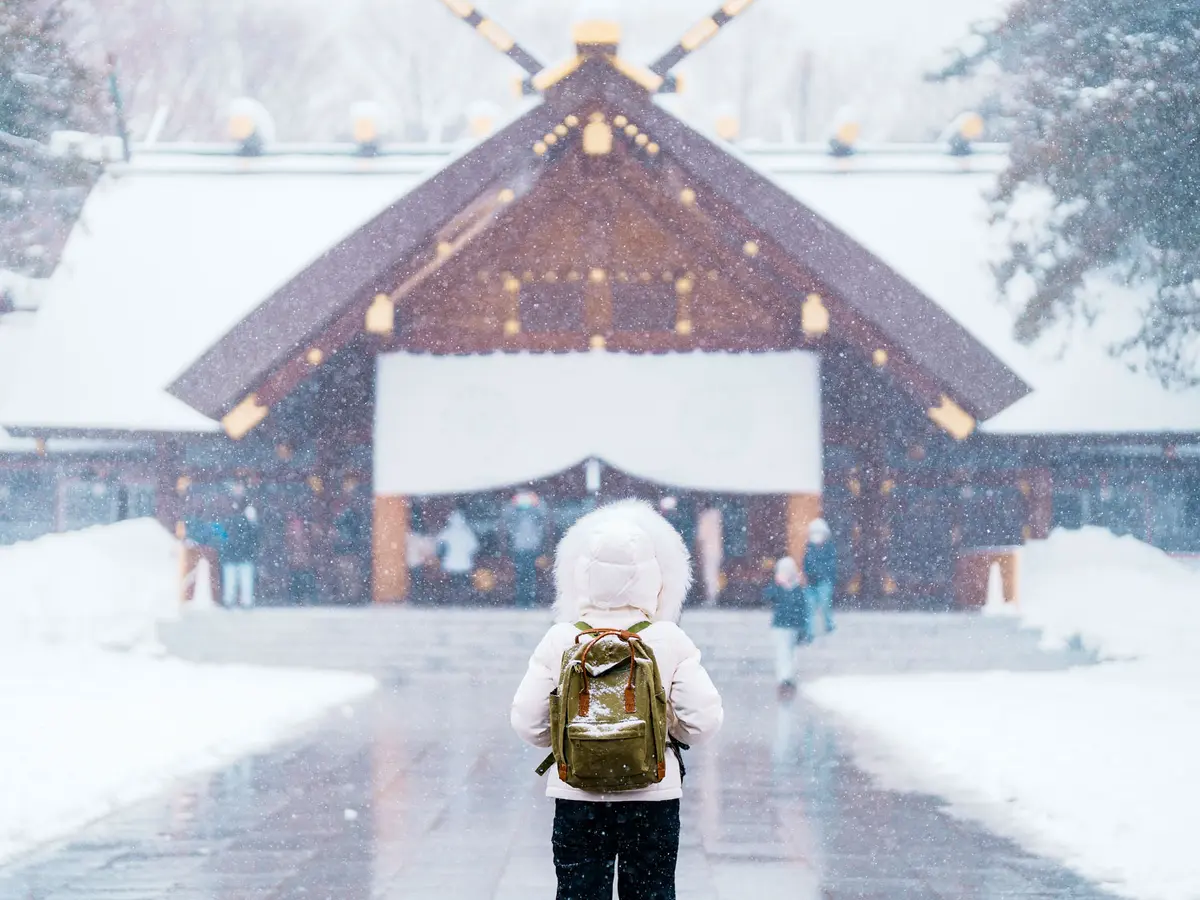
16 330
929 222
163 261
173 250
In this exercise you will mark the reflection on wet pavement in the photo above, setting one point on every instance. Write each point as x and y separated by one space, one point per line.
422 791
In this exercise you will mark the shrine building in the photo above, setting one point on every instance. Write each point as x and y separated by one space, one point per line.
594 301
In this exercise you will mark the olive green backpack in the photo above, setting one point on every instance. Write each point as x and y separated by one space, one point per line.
608 715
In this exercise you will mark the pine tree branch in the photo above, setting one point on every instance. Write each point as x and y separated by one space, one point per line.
14 142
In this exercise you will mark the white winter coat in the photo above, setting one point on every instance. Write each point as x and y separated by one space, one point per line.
618 566
459 545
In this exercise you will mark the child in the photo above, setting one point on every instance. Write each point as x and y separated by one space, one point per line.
790 622
616 567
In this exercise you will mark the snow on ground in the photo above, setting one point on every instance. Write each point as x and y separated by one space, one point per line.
105 587
92 716
1098 767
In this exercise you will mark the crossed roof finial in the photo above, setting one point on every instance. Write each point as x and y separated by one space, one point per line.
495 34
699 35
693 39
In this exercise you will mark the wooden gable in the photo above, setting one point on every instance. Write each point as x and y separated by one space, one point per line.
583 257
568 229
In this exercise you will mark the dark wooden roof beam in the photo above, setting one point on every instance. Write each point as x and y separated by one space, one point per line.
495 35
929 335
772 275
494 206
699 35
359 267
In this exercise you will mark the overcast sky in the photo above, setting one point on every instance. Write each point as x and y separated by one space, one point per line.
921 27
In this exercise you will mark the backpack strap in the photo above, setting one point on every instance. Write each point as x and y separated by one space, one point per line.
677 747
548 763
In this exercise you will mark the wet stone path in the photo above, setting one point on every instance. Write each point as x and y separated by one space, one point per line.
422 791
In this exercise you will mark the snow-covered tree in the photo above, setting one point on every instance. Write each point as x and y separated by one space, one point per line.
42 89
1104 102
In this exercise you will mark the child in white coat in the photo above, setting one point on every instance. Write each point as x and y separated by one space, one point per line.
618 566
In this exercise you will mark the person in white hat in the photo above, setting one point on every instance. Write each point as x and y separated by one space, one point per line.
619 567
820 573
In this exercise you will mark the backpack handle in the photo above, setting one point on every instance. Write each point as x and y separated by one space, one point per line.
632 629
630 638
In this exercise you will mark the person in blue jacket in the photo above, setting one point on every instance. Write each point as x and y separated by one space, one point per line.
820 573
790 621
238 552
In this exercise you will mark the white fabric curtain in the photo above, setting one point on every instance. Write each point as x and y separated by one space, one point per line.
745 423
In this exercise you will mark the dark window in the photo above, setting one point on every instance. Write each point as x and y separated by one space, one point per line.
26 506
992 516
1191 506
643 307
1068 510
921 545
1120 510
552 307
86 502
1174 510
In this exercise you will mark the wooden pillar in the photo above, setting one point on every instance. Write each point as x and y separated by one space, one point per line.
973 569
389 555
801 510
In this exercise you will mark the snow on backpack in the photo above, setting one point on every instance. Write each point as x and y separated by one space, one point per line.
608 715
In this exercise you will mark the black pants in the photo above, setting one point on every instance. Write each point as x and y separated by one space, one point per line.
642 837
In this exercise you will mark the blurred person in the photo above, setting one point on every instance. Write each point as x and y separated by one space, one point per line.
791 621
456 549
710 544
820 572
621 572
350 538
524 521
298 548
238 552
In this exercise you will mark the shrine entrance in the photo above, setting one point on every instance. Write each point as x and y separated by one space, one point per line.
598 281
727 447
734 538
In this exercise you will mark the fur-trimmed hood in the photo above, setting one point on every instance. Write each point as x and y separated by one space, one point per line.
623 555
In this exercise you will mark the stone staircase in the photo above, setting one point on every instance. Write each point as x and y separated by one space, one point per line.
404 643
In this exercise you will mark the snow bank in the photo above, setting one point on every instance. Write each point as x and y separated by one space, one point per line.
106 586
1098 767
1117 596
85 732
85 729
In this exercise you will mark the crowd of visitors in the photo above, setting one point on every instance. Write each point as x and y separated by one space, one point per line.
801 593
504 557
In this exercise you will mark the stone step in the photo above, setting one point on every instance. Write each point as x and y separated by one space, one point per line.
404 642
